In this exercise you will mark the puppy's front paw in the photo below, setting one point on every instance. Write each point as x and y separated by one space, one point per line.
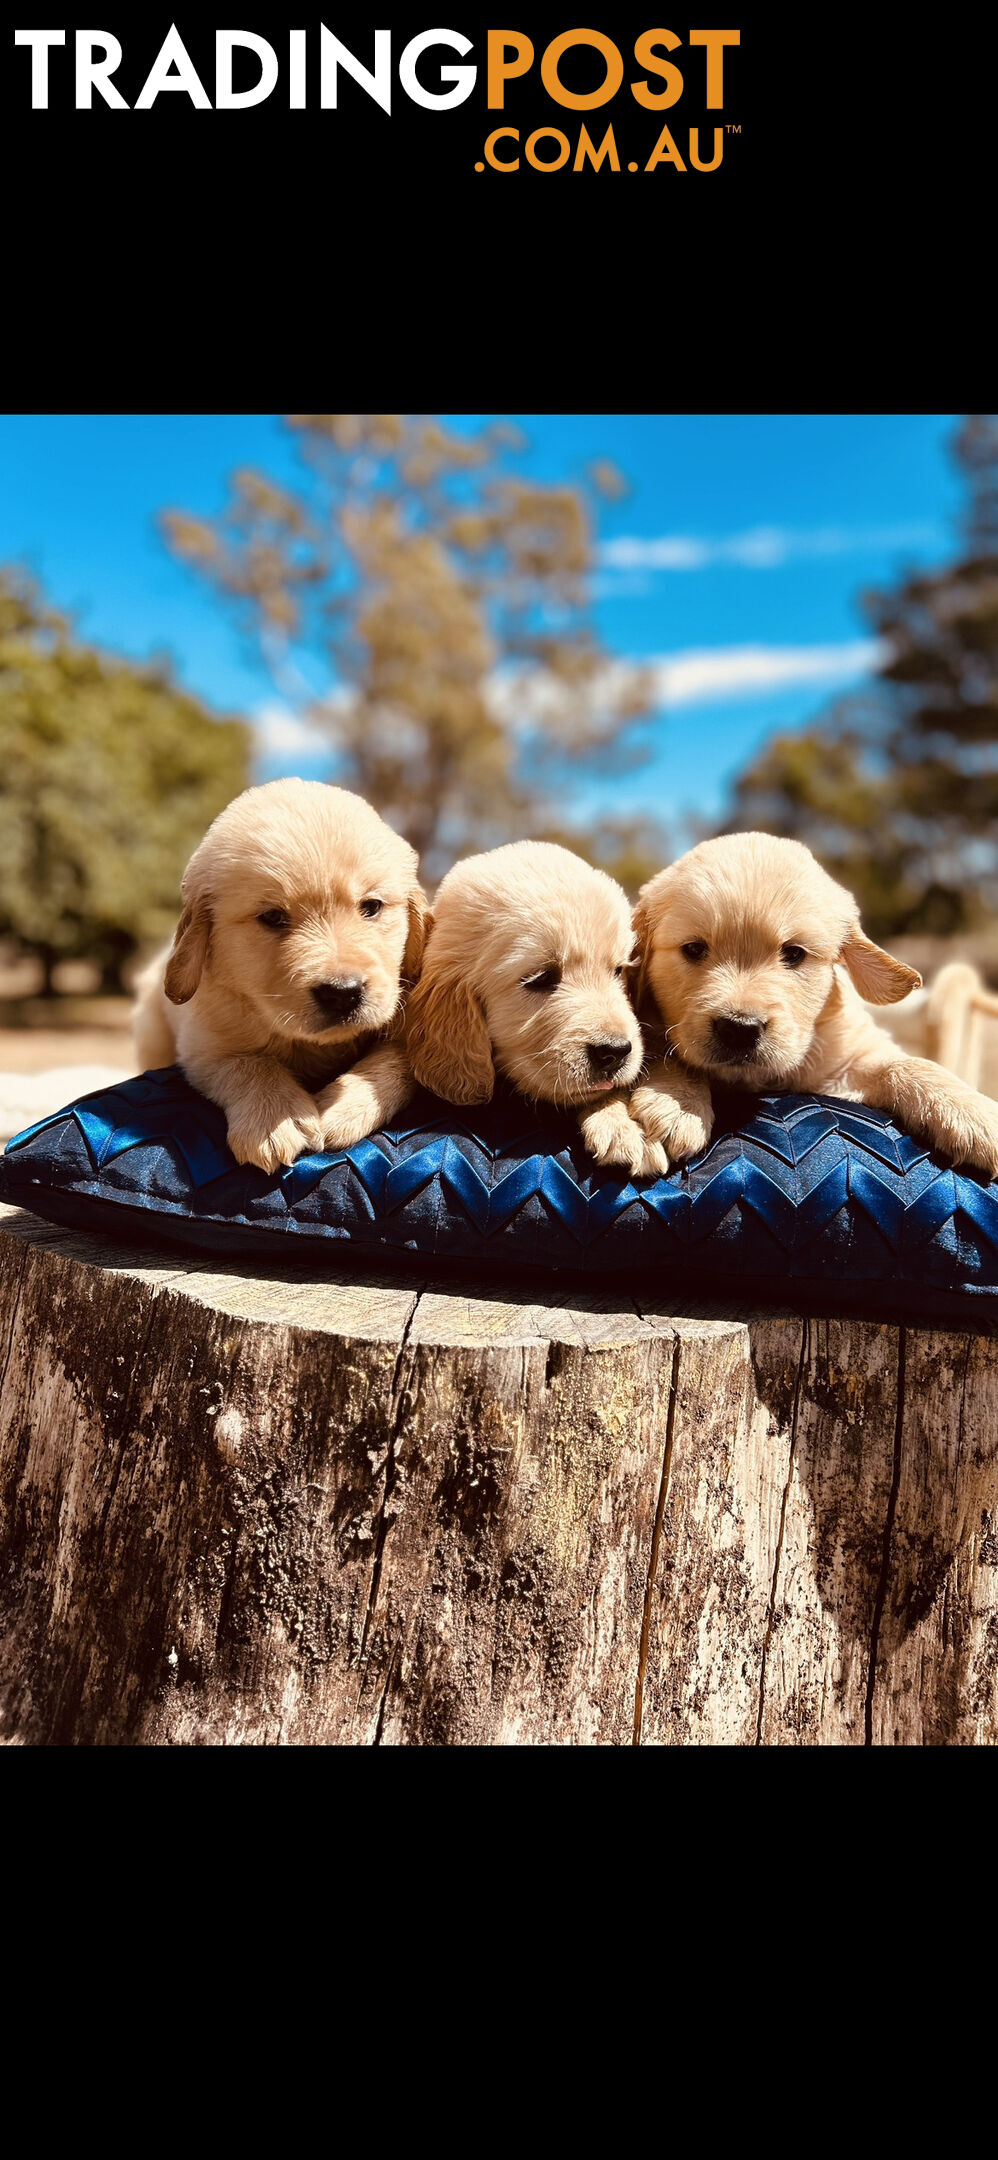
682 1131
349 1110
274 1148
614 1137
969 1133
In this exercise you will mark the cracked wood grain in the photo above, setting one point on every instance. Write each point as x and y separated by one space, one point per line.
656 1543
768 1637
935 1682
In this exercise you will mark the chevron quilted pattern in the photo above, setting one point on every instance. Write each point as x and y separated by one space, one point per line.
793 1190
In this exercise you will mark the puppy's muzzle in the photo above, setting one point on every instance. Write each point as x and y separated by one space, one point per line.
606 1058
736 1036
338 1001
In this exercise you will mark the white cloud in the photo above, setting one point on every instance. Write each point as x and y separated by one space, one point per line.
282 735
763 547
523 696
743 671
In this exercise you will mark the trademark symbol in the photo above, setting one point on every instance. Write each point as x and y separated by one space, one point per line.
731 129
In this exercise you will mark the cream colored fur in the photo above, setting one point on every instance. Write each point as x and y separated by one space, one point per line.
232 1000
499 920
745 897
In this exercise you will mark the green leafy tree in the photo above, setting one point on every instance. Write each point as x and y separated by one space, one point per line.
108 777
897 788
444 599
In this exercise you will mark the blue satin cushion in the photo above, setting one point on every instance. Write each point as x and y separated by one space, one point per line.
797 1194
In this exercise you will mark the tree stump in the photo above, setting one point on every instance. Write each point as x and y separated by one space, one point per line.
325 1509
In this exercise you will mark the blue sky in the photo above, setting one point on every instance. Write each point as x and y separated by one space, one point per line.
734 563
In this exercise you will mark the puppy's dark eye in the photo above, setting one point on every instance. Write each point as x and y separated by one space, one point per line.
371 907
275 918
695 950
620 971
548 979
792 955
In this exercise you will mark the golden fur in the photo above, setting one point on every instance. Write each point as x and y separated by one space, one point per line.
235 1000
783 952
529 913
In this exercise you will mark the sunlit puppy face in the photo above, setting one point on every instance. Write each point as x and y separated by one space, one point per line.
525 973
302 902
738 943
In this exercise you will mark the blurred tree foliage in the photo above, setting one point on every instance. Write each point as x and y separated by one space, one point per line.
630 849
896 790
108 777
446 598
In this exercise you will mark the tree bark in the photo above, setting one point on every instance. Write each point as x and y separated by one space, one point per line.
239 1509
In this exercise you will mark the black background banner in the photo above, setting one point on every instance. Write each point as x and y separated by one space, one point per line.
207 255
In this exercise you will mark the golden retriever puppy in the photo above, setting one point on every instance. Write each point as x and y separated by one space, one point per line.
755 961
525 973
281 995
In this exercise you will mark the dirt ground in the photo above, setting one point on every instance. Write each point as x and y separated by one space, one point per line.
52 1049
73 1029
33 1050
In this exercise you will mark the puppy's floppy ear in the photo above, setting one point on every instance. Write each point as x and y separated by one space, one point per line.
447 1038
878 977
642 995
188 952
420 925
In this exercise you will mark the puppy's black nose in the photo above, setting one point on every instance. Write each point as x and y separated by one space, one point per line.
339 1000
737 1034
606 1058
